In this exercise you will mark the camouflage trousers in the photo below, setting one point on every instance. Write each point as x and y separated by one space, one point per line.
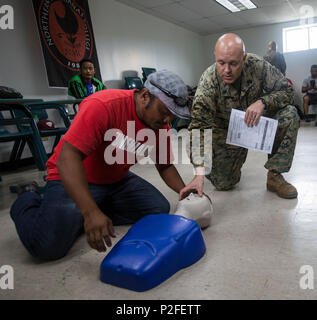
227 160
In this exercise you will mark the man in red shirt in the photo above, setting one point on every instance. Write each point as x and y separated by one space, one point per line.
89 185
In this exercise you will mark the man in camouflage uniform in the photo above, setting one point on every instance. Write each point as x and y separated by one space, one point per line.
245 82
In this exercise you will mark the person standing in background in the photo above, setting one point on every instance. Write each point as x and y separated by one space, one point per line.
275 58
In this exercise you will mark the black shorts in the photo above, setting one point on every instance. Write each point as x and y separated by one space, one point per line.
312 98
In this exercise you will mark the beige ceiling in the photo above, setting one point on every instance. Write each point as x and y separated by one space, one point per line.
207 16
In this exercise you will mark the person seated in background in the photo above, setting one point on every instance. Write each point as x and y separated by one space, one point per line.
84 84
310 89
275 58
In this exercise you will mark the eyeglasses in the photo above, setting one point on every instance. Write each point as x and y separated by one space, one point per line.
182 102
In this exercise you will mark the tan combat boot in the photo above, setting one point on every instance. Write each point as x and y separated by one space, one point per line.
276 183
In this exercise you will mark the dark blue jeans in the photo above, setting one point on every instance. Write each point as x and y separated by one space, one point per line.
49 226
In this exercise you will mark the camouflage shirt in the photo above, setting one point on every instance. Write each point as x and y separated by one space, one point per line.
214 99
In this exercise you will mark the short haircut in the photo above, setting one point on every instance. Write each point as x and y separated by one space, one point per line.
85 60
314 66
273 45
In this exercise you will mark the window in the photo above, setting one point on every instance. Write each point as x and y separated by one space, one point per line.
300 38
313 37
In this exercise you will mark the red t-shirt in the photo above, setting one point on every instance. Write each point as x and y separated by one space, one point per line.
104 131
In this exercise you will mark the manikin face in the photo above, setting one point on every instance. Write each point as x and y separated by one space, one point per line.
87 71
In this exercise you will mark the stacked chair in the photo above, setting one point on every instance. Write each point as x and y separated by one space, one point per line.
146 72
24 132
133 83
136 82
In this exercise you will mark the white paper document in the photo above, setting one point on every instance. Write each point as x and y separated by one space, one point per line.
260 137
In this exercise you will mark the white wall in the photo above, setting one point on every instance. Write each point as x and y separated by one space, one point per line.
256 39
126 39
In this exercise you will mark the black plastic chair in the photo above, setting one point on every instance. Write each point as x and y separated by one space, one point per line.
146 72
133 83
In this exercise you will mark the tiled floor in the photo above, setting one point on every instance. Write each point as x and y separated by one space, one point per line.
256 244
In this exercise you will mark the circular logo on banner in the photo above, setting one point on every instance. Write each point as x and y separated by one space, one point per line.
65 32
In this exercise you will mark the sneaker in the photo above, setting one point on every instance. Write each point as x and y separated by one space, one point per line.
29 187
276 183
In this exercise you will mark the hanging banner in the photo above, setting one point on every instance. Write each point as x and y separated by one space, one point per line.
67 37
